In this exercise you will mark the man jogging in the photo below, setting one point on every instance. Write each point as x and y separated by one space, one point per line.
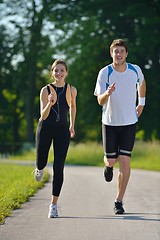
116 90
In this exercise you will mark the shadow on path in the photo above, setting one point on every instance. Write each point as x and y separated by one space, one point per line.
127 216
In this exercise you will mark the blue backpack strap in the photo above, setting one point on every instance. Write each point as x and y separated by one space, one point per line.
110 70
130 66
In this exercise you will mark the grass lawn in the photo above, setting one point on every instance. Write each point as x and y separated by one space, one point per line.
16 186
145 155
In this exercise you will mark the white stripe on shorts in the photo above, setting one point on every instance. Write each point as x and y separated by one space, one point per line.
124 151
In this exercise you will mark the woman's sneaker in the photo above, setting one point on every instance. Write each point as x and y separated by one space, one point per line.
108 173
53 213
118 207
38 174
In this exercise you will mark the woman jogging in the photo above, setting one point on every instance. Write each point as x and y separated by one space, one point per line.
56 100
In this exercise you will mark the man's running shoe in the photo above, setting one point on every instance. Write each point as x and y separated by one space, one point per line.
108 173
38 174
53 213
118 207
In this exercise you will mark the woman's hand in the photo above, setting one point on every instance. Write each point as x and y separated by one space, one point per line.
51 99
72 132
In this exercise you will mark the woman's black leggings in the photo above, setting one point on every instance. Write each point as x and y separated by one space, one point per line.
61 138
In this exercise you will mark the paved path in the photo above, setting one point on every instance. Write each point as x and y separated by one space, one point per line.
87 209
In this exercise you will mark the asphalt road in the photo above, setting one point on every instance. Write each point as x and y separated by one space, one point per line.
86 211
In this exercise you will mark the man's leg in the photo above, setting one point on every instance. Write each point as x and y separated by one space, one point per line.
123 176
126 143
110 146
108 171
122 181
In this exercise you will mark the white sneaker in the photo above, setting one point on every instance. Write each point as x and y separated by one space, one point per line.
53 213
38 174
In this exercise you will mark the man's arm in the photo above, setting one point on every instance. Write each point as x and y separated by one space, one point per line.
141 97
103 98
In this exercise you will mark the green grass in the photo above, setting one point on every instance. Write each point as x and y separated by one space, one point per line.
145 155
17 183
88 154
16 186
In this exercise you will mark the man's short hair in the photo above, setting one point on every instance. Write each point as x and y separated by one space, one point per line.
118 42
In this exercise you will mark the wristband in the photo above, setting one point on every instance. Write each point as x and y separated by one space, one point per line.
141 101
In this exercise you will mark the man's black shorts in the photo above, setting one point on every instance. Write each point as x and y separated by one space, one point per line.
118 140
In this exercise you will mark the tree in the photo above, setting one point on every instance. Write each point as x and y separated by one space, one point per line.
27 45
91 27
35 32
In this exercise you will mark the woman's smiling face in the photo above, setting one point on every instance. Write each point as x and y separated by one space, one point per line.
59 72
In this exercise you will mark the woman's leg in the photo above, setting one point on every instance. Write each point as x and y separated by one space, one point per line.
60 145
43 143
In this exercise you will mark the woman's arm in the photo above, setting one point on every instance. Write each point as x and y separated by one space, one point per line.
73 110
46 102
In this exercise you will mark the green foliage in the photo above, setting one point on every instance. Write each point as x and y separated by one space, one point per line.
16 186
96 24
140 135
79 31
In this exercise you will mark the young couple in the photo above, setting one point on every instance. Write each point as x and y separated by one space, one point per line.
116 91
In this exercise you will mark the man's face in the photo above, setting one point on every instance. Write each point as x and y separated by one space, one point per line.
119 55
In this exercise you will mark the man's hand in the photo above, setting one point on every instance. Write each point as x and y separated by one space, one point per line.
110 89
139 110
103 98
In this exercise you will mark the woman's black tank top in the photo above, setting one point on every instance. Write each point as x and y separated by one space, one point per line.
59 112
